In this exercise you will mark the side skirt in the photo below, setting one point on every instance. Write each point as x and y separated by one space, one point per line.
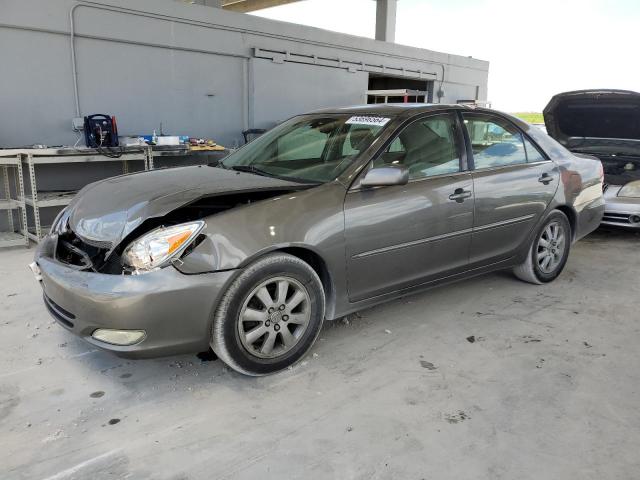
370 302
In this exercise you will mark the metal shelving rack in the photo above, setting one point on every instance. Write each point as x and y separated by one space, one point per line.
9 204
38 199
404 93
29 197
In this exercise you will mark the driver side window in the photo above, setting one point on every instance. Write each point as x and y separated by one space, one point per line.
427 147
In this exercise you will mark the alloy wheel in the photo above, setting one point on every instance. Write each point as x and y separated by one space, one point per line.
274 317
551 247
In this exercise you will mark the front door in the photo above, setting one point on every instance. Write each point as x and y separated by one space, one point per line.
401 236
513 184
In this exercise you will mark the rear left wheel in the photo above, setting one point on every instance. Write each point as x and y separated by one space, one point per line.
270 316
549 251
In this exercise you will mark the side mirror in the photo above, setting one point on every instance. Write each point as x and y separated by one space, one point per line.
385 176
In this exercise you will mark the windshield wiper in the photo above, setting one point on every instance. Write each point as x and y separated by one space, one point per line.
251 169
258 171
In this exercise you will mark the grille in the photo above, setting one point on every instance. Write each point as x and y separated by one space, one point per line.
96 243
617 218
72 250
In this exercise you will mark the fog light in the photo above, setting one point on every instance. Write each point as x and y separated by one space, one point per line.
119 337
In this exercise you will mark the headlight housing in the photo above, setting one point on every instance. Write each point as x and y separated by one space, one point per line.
59 224
631 189
156 249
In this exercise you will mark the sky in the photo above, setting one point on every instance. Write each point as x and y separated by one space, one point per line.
535 49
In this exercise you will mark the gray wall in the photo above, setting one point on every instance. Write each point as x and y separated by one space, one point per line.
193 68
281 90
201 71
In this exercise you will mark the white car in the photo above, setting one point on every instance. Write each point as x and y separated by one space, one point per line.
604 123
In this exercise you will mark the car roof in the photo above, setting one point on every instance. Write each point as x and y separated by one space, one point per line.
387 108
408 110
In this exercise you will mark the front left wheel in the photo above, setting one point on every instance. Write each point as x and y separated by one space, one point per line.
270 316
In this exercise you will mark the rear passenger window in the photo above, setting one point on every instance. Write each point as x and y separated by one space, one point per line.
495 142
426 147
533 155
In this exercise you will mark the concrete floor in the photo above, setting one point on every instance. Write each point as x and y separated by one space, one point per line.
491 378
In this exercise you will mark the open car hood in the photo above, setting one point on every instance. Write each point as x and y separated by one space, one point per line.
105 212
588 119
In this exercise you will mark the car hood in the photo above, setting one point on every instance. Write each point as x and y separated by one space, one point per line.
586 120
105 212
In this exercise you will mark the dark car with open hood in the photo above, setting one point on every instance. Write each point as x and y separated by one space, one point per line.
605 123
328 213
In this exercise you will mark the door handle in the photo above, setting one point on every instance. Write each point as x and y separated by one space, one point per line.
545 178
459 194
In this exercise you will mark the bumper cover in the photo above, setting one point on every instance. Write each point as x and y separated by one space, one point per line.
175 310
621 211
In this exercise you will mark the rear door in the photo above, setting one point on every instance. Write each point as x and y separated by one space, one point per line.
513 182
401 236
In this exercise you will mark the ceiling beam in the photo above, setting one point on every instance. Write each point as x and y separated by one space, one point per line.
245 6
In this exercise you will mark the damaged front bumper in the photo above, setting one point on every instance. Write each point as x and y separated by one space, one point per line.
173 310
621 211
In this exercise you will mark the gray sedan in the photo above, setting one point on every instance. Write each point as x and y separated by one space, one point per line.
326 214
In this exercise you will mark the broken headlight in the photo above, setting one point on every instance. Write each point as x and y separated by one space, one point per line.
156 248
631 189
59 224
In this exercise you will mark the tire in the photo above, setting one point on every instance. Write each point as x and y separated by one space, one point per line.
547 255
276 294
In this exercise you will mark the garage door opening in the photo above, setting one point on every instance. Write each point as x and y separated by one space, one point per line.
388 89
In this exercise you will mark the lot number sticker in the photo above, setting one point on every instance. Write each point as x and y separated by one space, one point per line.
366 120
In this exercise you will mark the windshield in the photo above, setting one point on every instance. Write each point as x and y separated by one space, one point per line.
309 148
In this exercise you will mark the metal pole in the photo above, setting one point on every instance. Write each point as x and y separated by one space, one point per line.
386 20
7 195
149 158
34 196
23 200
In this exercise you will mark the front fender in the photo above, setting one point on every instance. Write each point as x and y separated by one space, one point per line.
311 219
